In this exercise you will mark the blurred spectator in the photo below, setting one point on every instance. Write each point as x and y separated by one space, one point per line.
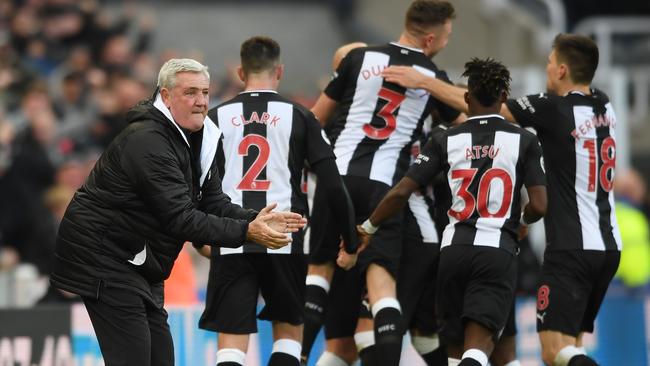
634 268
180 287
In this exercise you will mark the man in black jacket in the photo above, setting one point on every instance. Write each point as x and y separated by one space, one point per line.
156 186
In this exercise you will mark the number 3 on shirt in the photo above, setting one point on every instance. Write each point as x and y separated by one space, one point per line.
481 203
250 182
608 158
394 99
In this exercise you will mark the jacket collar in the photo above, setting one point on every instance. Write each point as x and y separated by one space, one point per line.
211 136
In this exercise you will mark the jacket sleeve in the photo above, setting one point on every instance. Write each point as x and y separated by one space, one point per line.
154 170
215 201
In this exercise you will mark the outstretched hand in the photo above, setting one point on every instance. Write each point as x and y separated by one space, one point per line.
283 221
405 76
272 229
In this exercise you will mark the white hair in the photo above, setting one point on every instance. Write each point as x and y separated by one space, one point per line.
168 71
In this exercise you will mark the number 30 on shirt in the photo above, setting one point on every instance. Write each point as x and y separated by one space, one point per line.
481 203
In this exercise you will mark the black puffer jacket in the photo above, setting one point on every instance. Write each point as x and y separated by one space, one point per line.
142 200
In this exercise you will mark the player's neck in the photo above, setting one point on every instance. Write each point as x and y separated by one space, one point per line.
261 83
570 87
405 39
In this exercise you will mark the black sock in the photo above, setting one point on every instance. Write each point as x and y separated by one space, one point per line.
388 336
437 357
582 360
315 300
469 362
283 359
228 364
367 356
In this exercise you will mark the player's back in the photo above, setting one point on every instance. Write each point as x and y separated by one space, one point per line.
486 160
376 121
266 141
577 133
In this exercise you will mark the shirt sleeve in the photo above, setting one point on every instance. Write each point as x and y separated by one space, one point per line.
427 165
533 110
534 173
318 145
336 86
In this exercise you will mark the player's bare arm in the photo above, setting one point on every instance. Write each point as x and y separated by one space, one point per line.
450 94
323 109
536 207
393 202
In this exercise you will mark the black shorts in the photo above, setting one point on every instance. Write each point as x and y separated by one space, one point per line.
417 277
572 287
385 245
510 329
343 303
321 232
474 283
237 279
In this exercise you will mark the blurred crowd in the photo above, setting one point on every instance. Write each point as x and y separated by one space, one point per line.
69 70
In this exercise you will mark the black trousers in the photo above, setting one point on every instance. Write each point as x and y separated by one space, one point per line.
130 330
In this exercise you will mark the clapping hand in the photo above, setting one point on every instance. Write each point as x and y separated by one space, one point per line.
271 228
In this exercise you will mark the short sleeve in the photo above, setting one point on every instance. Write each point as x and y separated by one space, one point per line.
336 86
534 173
427 165
535 110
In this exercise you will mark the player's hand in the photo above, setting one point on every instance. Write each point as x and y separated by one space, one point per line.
344 259
204 251
405 76
284 222
523 232
364 238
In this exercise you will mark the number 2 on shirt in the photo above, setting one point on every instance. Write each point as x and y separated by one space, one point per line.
249 181
387 113
608 158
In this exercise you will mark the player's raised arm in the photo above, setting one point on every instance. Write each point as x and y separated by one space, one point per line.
450 94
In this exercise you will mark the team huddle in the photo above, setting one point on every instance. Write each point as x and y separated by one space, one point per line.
416 219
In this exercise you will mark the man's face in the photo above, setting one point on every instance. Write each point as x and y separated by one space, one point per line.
439 40
188 99
552 73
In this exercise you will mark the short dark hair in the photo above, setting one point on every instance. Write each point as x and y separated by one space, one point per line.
258 54
579 53
487 80
424 14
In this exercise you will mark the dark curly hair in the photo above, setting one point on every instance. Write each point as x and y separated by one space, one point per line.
487 80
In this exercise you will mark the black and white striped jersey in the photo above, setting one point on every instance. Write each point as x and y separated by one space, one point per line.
376 121
266 141
486 161
421 204
579 143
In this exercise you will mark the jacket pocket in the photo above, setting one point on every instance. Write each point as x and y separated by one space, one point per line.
147 265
